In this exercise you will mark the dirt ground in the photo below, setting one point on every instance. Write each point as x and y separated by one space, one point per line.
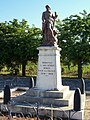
87 108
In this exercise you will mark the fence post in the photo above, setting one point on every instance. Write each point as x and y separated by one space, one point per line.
7 94
82 86
77 100
31 82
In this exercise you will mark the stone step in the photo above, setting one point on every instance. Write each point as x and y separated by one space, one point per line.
48 93
67 101
70 97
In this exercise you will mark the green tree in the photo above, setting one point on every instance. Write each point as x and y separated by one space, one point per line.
26 47
8 34
19 43
74 39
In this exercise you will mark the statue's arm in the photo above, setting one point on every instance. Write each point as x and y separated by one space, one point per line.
54 16
43 17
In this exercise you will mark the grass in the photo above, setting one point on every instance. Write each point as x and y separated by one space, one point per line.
71 72
31 69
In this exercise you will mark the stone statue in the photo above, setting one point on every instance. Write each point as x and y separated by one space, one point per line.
48 22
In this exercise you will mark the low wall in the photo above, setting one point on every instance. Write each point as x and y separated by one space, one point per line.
25 82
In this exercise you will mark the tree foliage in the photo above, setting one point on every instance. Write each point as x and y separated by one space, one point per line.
18 44
74 39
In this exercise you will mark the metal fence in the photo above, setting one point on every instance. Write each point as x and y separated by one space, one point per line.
7 114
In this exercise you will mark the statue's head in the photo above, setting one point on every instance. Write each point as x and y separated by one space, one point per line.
48 7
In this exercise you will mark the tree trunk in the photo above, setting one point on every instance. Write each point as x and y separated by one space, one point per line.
79 68
23 69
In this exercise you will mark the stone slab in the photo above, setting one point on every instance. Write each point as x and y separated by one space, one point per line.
49 68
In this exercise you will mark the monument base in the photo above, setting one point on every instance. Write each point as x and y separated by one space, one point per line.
56 102
49 96
49 68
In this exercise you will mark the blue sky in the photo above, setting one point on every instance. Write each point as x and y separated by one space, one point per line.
31 10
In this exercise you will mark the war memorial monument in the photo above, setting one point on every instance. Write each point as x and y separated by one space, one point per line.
49 92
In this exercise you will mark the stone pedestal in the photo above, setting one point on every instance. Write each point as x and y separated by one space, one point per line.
49 69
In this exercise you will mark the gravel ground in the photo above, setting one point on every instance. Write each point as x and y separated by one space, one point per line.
87 108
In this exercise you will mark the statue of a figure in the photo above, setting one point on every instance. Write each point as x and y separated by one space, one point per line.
49 33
